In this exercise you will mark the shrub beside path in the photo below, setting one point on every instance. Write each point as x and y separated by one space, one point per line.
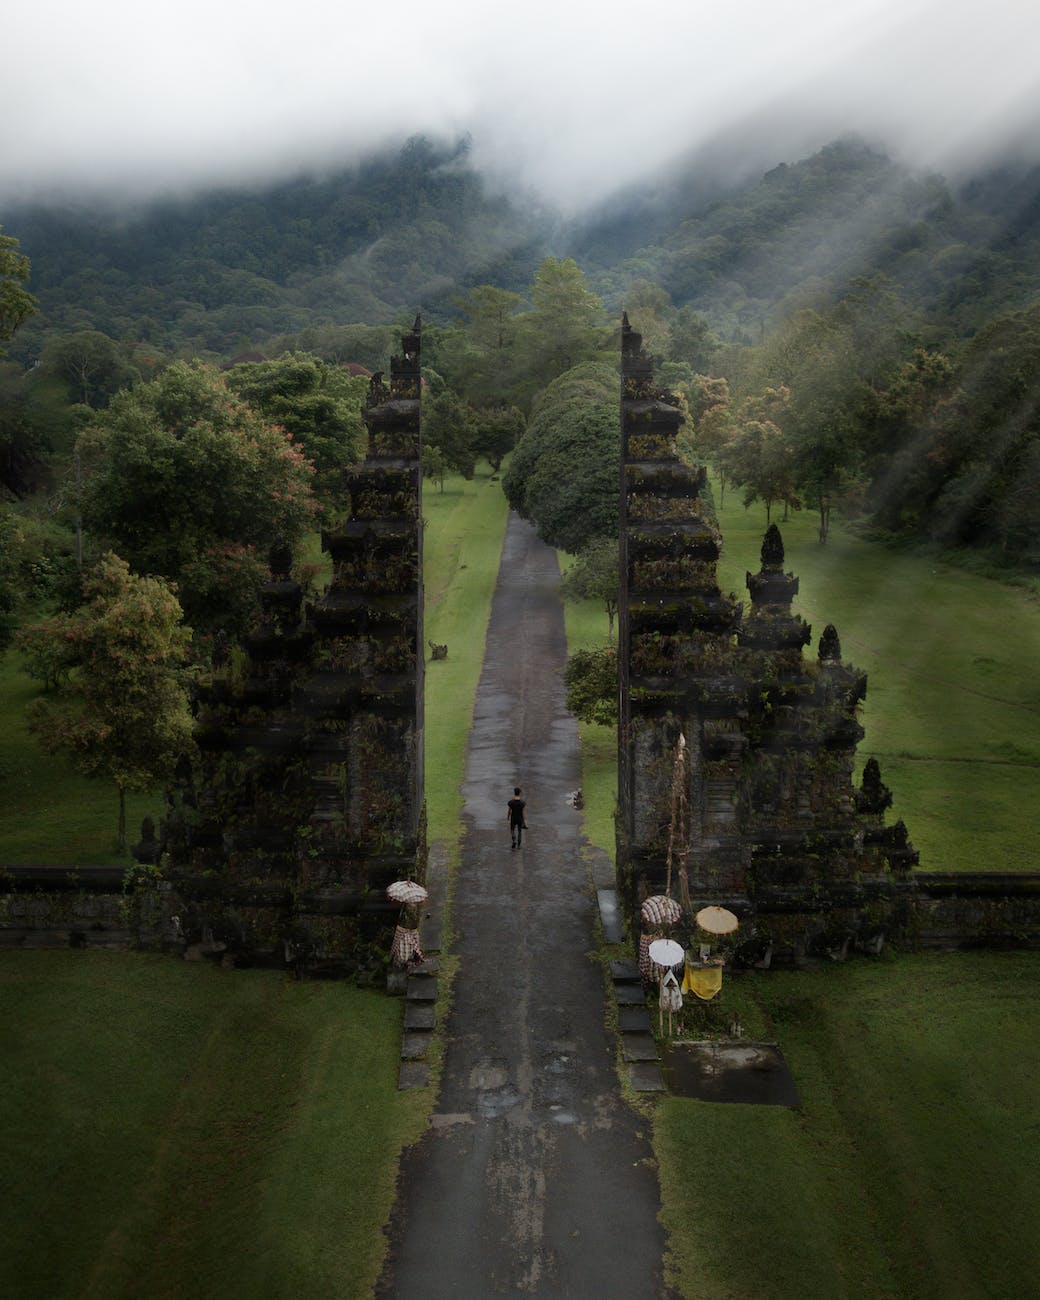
535 1176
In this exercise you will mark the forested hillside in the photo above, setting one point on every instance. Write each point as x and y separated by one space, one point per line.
221 272
846 334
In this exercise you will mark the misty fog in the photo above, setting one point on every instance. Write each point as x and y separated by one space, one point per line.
567 101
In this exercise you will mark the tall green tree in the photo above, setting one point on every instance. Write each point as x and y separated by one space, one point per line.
448 425
596 575
318 404
566 324
92 366
123 713
182 468
16 302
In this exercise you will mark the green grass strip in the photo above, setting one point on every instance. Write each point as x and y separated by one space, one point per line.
465 526
906 1169
171 1129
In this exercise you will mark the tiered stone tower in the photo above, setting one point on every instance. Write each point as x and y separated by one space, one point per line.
773 823
310 798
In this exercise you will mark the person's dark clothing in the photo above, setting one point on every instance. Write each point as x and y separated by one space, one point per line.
516 820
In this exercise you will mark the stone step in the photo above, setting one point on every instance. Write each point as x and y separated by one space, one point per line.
629 995
413 1074
428 967
623 971
639 1047
422 988
415 1044
633 1020
610 916
646 1076
420 1015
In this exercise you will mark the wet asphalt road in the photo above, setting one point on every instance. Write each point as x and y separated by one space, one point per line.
534 1177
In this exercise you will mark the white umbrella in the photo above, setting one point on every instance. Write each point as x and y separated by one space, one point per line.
716 920
407 892
666 952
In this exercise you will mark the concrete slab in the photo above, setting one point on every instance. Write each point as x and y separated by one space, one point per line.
422 988
629 995
413 1074
645 1076
633 1020
415 1044
623 971
730 1070
420 1015
610 916
639 1047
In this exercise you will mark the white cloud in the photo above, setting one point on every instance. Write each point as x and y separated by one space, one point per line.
569 98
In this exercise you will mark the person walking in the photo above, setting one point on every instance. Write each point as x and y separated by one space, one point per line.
516 818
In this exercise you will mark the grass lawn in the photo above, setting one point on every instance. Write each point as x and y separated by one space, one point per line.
913 1166
49 814
172 1129
462 546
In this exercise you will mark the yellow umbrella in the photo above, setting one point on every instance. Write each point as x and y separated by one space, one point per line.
716 920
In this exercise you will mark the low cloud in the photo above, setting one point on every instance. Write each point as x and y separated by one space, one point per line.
569 100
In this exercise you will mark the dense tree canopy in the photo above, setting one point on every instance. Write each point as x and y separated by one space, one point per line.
565 471
318 405
180 468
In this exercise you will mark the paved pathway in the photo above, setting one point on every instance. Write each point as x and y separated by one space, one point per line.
534 1177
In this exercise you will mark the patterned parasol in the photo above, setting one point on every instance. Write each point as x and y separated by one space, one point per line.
659 909
407 892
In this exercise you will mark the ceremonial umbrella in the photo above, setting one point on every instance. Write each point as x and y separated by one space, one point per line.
659 909
666 952
716 920
407 892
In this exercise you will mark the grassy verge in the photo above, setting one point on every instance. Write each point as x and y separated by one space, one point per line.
49 814
587 628
465 525
172 1129
953 705
904 1172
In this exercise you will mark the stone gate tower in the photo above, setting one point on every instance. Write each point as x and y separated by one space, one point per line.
773 823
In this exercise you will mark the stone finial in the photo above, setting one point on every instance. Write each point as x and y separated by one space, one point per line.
625 326
147 849
772 548
280 559
830 646
873 796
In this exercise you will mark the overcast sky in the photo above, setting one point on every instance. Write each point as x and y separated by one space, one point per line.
570 97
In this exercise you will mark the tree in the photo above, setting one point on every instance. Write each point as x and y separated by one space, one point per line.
319 405
498 429
434 466
565 472
596 576
123 713
181 467
16 303
566 325
90 365
449 426
591 681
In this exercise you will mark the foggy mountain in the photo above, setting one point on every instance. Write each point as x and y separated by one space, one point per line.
411 229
